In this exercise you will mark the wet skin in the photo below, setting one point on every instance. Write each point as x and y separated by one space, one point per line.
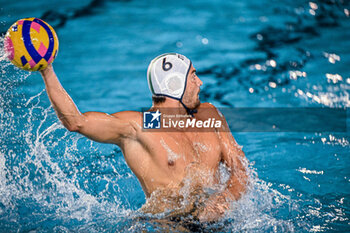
171 166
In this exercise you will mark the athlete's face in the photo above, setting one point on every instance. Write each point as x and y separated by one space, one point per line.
191 95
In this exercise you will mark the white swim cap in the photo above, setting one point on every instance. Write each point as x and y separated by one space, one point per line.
167 75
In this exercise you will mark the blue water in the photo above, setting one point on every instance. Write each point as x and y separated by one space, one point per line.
248 54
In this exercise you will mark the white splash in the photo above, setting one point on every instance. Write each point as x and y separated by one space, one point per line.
333 140
332 98
306 171
37 166
253 211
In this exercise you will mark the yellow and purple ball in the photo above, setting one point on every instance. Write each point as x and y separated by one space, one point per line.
31 44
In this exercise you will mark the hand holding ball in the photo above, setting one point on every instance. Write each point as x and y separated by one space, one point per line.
31 44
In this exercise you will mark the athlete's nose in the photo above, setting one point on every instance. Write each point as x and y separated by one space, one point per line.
199 82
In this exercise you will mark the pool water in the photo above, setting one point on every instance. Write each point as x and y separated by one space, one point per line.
260 54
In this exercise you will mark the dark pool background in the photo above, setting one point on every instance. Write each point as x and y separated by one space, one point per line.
249 53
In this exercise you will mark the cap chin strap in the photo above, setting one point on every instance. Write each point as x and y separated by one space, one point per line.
188 110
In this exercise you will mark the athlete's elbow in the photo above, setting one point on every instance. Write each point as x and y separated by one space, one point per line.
72 126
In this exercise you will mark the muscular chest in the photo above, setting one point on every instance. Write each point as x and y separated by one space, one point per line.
177 150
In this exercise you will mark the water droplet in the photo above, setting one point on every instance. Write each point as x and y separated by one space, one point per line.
313 5
272 84
312 12
179 44
205 41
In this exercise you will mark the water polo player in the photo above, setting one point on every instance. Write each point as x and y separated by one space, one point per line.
178 170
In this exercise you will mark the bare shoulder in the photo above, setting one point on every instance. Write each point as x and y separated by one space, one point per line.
206 105
208 110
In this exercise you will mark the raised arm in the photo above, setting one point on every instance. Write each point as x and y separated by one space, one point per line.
97 126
